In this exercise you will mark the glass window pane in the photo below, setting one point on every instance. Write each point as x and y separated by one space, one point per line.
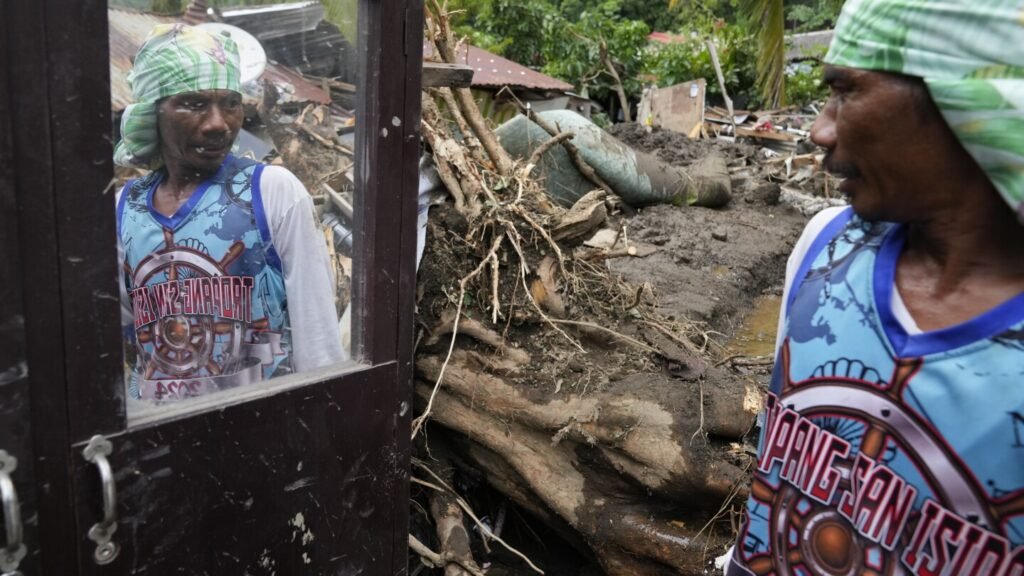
235 129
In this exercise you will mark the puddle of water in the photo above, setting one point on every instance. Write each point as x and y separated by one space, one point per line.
756 336
720 272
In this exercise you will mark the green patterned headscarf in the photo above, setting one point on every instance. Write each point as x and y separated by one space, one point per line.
175 58
970 54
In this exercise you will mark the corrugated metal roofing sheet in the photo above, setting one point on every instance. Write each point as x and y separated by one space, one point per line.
491 70
127 31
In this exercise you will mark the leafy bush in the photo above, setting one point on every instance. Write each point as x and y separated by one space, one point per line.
564 39
813 14
671 64
572 50
804 84
510 28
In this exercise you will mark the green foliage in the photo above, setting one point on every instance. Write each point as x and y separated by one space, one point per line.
810 15
700 14
653 14
766 21
573 50
565 38
805 85
507 27
678 62
166 7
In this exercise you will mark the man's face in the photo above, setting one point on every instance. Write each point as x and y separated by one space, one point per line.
885 137
197 129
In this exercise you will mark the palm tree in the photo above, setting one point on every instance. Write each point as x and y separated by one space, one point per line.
767 19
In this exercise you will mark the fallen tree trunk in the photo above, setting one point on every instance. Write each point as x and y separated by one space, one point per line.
605 462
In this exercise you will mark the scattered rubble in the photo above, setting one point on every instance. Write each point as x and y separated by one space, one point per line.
575 352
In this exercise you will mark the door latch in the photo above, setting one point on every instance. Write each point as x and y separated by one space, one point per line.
102 532
14 552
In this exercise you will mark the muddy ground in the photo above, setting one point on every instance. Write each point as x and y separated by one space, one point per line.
711 265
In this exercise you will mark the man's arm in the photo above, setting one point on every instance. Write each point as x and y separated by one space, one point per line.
308 277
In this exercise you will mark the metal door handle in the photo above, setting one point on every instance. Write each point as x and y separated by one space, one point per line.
102 532
11 556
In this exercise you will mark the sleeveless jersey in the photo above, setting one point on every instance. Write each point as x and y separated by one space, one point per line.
205 285
884 452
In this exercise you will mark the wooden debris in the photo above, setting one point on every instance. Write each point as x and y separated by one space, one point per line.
586 214
444 75
765 134
679 108
546 286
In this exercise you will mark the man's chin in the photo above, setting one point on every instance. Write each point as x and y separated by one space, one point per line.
207 163
873 211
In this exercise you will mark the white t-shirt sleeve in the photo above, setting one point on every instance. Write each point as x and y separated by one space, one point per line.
308 275
810 233
127 315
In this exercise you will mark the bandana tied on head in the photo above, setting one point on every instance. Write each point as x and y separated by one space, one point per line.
970 54
174 59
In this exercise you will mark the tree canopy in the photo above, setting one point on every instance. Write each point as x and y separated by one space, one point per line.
576 39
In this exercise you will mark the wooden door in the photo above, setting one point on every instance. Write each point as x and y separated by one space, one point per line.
307 474
19 541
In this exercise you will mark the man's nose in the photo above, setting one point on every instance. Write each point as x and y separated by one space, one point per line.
823 132
215 120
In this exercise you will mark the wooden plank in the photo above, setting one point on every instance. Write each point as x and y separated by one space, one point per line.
679 108
387 152
765 134
441 75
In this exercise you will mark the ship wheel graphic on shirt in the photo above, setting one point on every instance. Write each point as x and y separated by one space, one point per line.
809 538
183 344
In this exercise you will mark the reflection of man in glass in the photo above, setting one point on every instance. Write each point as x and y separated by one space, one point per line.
225 272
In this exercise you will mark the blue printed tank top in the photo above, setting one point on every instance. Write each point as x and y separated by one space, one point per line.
884 452
205 285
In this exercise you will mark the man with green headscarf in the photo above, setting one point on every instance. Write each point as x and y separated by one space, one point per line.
225 273
893 436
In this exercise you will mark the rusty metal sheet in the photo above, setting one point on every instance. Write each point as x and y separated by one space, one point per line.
491 70
127 31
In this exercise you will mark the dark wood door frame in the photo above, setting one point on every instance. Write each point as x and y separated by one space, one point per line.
15 408
29 91
57 60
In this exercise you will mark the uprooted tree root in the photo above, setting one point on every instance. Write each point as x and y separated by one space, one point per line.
556 380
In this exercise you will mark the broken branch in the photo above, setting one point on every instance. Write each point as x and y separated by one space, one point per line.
421 419
435 560
541 150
